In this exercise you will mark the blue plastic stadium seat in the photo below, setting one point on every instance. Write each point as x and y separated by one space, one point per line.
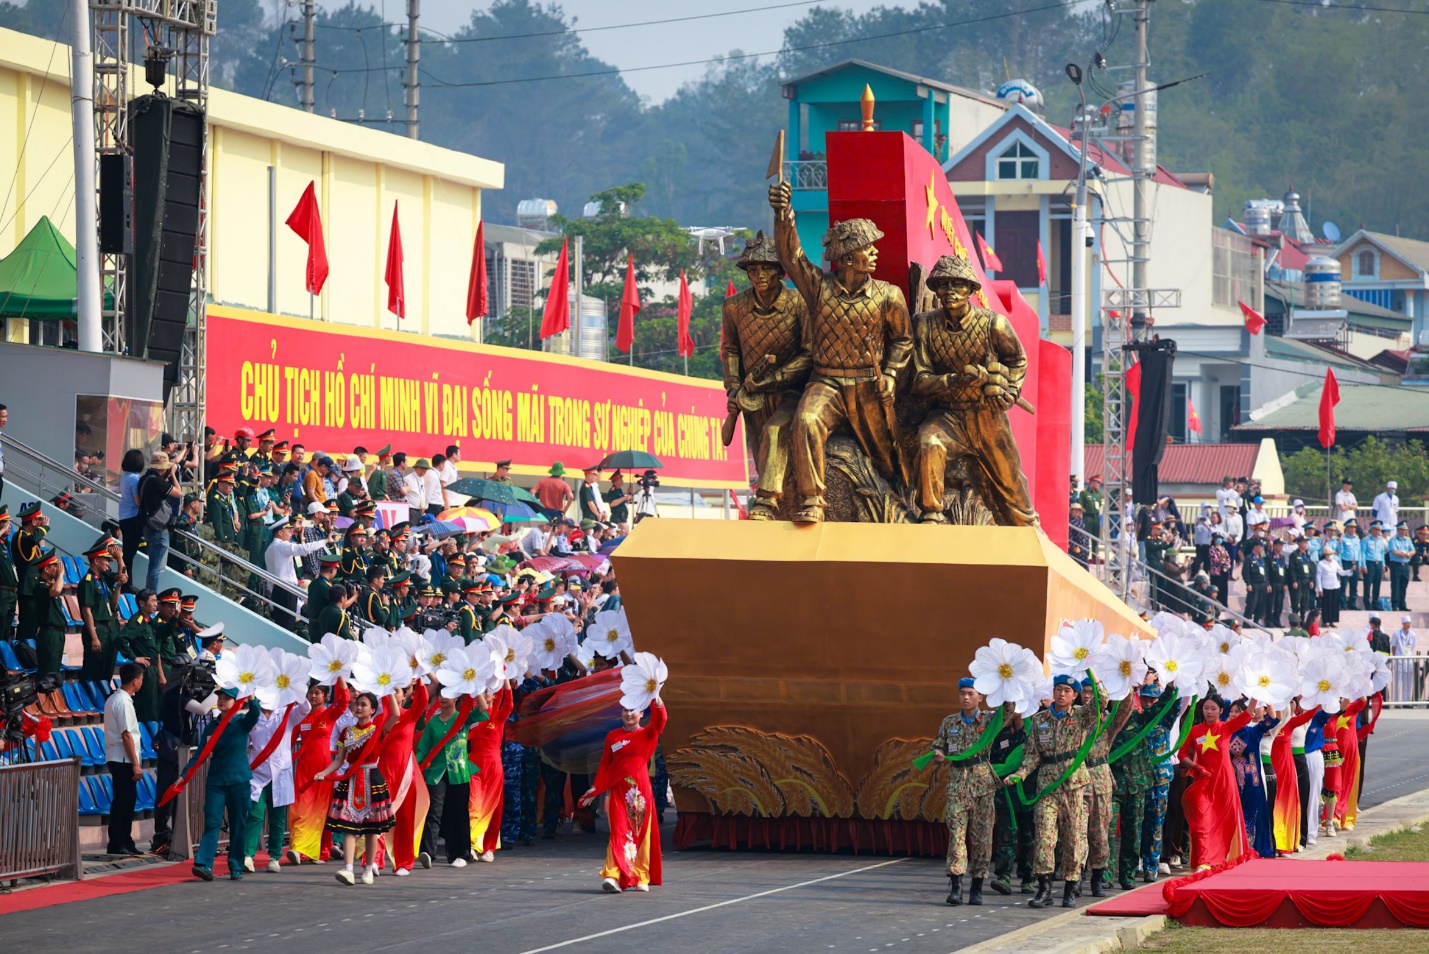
128 606
87 805
94 743
49 751
145 801
74 570
64 745
146 743
99 691
8 658
75 698
105 795
69 619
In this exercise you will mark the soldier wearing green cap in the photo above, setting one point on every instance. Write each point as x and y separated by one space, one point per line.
222 506
99 612
469 616
26 551
138 641
9 580
48 588
328 565
374 605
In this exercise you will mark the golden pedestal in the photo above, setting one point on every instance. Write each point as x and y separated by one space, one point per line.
809 664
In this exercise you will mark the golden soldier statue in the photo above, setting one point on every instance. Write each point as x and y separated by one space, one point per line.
857 338
765 366
970 363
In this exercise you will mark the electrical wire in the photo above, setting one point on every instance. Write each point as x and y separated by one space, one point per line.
637 23
1346 8
745 56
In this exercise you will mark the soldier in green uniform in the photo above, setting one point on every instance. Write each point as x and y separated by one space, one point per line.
1099 798
972 787
222 509
319 588
9 579
256 510
99 612
1257 582
238 450
138 642
1091 501
49 584
26 551
168 626
377 480
403 603
374 604
226 786
1134 775
1275 579
469 618
618 498
266 442
355 555
1300 571
1013 850
1156 548
501 612
1053 738
502 474
334 617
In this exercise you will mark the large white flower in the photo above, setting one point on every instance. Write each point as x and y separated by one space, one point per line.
1270 677
1164 623
549 642
1073 647
1005 672
330 658
641 682
414 644
1177 661
1380 677
1223 671
585 654
1119 666
290 684
440 643
504 644
1041 694
611 633
247 669
383 672
1224 639
465 671
375 637
1322 680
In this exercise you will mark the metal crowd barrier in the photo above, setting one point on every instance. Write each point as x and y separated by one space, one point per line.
1408 682
39 820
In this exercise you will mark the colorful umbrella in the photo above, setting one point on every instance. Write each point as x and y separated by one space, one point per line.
475 519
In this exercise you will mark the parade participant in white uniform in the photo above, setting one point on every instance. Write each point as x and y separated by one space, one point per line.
1345 503
272 785
1403 642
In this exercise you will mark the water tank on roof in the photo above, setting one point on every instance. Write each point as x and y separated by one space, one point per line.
1021 91
592 340
535 213
592 209
1260 215
1322 284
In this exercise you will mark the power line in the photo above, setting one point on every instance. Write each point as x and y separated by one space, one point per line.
744 56
1346 7
636 23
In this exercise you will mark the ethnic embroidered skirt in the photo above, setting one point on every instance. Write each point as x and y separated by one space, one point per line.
361 803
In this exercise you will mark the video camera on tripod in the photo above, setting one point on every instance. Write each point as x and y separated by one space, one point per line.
18 690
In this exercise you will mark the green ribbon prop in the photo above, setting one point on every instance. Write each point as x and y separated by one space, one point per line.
1003 769
1082 752
989 735
1141 735
1185 725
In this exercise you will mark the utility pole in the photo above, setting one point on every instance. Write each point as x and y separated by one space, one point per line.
88 304
412 86
579 288
1143 171
305 86
1081 240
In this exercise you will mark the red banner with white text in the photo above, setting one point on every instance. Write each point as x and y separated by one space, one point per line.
333 387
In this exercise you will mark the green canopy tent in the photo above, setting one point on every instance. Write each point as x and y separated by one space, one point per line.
38 279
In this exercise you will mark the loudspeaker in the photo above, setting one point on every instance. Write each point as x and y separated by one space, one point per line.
168 139
116 204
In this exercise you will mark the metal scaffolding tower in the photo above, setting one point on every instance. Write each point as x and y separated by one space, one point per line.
170 32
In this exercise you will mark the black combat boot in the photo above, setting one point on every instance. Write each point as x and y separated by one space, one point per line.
1069 894
1043 897
1098 888
975 892
955 890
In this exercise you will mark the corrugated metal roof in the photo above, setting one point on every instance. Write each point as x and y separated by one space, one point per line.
1192 463
1363 407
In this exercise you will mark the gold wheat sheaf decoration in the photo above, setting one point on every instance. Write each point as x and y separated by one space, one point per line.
745 772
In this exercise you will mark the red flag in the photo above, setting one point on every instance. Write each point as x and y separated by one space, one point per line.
990 261
1133 390
1041 265
396 292
1329 397
629 307
476 301
729 290
1254 321
1193 420
557 316
684 344
306 219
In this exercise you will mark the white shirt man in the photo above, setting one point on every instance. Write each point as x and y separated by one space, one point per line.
1386 505
1256 517
1227 500
536 541
1345 503
432 487
121 751
1403 642
415 492
283 552
448 474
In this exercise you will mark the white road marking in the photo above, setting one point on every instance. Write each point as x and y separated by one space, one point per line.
711 907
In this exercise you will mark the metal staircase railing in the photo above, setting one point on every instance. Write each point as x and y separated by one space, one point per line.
1189 600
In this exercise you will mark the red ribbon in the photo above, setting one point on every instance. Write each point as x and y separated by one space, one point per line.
272 745
207 750
370 749
462 711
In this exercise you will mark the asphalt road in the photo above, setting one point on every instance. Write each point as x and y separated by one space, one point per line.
547 897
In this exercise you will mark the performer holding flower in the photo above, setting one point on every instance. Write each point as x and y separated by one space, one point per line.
972 788
361 803
488 787
1212 798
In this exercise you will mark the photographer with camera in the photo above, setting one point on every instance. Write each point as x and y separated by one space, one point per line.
645 496
121 753
160 497
185 710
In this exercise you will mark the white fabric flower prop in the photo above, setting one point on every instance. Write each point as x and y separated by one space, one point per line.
1073 647
501 642
375 637
290 684
1224 639
1041 694
1005 672
1119 667
1223 671
330 658
439 644
548 643
1322 682
1380 677
465 671
1176 660
247 669
641 682
1270 677
611 633
585 654
1164 622
383 672
416 648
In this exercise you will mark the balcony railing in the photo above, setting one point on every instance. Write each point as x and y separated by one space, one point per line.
807 174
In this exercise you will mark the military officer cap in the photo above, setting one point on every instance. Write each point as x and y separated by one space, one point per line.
30 511
269 435
1402 525
100 548
967 682
280 446
428 590
171 595
384 451
451 586
331 505
4 513
356 529
411 612
1068 681
849 236
503 463
760 251
950 267
547 592
457 558
400 529
47 557
399 579
188 602
1376 523
473 586
328 558
509 598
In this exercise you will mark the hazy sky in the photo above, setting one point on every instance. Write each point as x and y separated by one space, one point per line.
663 43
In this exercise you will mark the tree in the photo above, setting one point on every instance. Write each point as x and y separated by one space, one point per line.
1094 410
1369 465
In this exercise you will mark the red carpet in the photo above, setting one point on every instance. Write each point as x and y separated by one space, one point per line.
140 879
1138 903
1286 893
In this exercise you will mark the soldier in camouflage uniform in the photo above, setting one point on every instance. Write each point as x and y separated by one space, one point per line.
1053 738
1014 820
1163 763
972 786
765 366
1098 797
858 339
969 362
1133 776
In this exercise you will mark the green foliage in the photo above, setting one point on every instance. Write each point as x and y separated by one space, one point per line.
1094 403
1369 465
